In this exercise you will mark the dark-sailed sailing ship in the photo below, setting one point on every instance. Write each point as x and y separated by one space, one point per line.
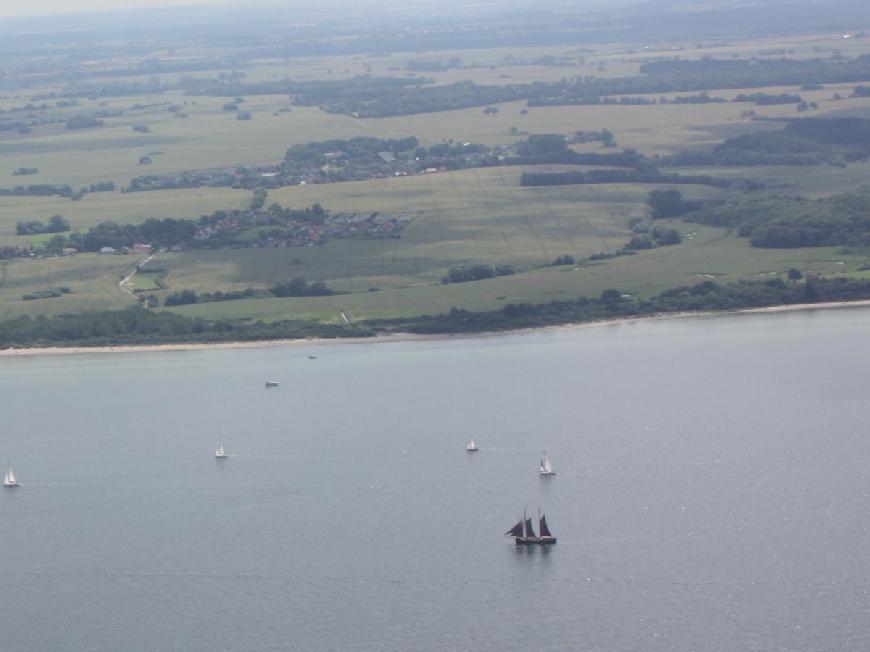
524 534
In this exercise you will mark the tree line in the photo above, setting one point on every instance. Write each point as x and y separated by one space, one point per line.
138 325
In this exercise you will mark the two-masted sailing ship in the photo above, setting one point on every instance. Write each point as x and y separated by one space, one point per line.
9 479
524 534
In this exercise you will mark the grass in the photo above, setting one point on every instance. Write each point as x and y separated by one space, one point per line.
466 217
92 278
651 129
707 253
208 138
472 216
119 207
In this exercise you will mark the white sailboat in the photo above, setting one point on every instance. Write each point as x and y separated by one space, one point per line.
9 479
546 468
219 452
472 447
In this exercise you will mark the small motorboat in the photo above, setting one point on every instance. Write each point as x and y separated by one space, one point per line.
271 383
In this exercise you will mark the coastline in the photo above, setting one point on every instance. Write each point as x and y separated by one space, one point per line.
419 337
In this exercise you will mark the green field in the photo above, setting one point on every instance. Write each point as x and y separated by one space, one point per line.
707 253
473 216
467 217
92 278
115 206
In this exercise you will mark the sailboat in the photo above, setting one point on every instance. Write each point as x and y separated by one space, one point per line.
9 479
472 447
546 468
220 453
524 534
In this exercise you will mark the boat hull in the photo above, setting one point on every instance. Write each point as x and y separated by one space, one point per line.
534 541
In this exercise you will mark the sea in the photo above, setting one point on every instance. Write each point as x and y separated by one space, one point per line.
712 492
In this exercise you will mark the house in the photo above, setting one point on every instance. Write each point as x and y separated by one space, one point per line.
141 248
69 251
108 250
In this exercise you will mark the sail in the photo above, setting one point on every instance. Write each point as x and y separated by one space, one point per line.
529 531
545 531
10 476
516 530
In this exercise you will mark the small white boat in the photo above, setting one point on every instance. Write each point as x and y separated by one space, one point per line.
220 453
472 447
271 383
9 479
546 468
313 356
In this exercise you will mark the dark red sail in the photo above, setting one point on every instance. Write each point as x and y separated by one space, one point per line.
529 531
516 530
545 531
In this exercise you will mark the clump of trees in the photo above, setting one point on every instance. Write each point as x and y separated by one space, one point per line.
657 236
764 99
56 224
466 273
83 122
138 325
786 221
613 303
299 287
48 293
803 141
296 287
669 203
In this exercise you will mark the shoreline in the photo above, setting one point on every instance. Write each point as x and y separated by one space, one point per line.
419 337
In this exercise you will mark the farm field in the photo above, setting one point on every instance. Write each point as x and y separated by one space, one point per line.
117 207
207 138
478 216
467 217
652 129
92 278
706 254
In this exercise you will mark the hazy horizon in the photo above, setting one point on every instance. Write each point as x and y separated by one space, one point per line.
9 9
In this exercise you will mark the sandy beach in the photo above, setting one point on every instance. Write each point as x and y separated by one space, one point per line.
415 337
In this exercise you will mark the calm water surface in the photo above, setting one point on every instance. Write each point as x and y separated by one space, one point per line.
713 493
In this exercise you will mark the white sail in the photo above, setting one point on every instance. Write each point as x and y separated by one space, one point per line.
546 467
219 451
471 446
9 479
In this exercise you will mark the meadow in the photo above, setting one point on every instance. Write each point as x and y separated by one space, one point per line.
706 254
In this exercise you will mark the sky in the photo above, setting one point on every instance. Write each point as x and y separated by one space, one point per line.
10 8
